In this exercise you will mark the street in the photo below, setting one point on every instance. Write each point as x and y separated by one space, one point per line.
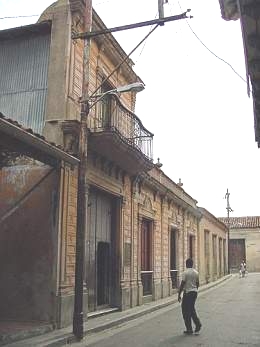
229 314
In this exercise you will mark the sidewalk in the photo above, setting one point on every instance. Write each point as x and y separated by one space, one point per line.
102 322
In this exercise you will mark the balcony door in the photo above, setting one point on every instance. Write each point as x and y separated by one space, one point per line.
106 106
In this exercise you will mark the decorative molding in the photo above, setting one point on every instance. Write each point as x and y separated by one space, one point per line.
71 129
101 180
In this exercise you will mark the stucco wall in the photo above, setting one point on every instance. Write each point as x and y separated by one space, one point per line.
252 246
27 237
212 266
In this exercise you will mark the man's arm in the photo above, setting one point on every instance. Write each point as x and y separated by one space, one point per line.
197 283
181 290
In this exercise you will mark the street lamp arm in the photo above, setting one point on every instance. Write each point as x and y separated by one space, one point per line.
133 87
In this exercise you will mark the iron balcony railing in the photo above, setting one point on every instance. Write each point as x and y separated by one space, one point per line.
111 115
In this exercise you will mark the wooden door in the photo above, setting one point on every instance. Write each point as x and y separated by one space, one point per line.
146 257
237 253
207 255
99 249
173 258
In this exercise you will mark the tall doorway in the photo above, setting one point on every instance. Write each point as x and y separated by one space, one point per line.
146 257
173 257
237 251
103 271
191 245
102 268
207 255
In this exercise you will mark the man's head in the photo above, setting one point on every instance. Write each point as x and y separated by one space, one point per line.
189 263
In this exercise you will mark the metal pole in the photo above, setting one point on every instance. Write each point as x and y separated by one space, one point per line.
228 240
78 316
160 9
229 209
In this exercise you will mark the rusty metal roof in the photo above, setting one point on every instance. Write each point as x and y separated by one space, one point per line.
242 222
17 139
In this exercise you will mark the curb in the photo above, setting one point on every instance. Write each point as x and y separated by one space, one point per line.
68 338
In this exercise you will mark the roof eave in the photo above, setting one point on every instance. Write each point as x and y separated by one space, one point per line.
36 143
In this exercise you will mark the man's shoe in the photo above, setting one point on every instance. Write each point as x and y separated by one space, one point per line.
197 329
188 332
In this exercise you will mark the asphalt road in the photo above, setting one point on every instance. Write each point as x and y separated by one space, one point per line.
230 315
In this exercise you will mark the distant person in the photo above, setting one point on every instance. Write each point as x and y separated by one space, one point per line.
189 286
242 269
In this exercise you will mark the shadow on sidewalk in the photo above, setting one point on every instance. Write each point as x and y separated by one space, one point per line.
11 331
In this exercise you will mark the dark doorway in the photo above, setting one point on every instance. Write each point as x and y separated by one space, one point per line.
190 246
207 255
173 258
146 257
103 273
237 253
101 252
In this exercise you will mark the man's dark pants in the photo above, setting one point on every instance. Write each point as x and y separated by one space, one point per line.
188 310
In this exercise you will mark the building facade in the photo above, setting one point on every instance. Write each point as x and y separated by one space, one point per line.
140 225
212 247
244 242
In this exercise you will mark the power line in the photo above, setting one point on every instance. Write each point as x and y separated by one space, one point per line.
125 59
12 17
142 49
215 55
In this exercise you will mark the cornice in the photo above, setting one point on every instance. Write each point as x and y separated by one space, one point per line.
205 213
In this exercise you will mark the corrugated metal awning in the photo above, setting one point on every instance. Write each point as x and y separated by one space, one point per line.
15 139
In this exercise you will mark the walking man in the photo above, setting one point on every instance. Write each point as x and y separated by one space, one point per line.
189 286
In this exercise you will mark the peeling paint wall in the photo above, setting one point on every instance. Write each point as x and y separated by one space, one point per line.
27 238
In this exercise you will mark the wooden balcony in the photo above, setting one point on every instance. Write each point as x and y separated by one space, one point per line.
119 135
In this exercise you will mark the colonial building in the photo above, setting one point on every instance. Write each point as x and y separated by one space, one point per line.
244 242
140 225
213 236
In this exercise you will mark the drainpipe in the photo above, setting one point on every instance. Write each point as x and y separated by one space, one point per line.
78 316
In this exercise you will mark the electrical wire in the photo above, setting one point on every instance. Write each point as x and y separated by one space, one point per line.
12 17
215 55
102 2
142 49
124 60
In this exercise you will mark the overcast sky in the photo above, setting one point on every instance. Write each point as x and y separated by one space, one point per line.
194 103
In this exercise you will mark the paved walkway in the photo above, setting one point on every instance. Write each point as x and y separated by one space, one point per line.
229 314
64 336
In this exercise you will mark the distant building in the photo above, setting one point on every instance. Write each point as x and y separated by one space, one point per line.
212 247
244 242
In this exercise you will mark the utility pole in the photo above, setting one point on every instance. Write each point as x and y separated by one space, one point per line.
78 315
229 209
161 9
